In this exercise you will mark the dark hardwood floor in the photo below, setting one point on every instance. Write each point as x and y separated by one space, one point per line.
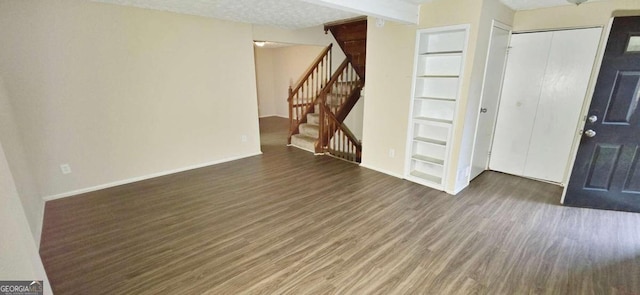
288 222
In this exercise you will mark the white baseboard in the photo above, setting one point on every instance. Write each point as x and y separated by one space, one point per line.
144 177
382 171
274 115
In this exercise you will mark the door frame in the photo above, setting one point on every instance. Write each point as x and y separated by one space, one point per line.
500 25
585 106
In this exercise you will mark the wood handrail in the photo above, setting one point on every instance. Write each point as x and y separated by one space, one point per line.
310 70
331 118
333 130
304 96
344 129
335 94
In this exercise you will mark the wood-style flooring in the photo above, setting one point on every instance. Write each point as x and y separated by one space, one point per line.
287 222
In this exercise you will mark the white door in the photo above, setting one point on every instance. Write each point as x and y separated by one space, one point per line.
491 88
544 89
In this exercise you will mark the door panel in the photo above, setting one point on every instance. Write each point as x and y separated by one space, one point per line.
632 183
564 88
544 89
605 157
624 99
606 173
521 90
492 87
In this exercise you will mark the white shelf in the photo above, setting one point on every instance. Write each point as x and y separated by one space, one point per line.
445 41
436 86
428 160
442 53
436 98
428 177
430 141
427 119
437 76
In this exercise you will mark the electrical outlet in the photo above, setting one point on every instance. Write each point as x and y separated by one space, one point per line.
392 153
65 168
243 138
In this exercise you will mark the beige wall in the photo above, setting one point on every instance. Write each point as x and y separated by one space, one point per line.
265 82
19 259
17 160
276 70
354 119
390 51
390 62
121 93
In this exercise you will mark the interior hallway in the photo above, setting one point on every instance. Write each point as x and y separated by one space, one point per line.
287 222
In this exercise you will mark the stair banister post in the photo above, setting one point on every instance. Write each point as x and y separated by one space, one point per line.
322 122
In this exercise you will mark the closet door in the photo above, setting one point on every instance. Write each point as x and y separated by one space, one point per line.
564 89
545 86
521 89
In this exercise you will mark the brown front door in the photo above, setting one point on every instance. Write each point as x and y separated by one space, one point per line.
606 173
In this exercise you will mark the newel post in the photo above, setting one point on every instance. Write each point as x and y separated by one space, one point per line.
322 122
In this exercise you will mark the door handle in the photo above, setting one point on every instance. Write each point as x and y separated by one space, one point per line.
483 110
590 133
592 119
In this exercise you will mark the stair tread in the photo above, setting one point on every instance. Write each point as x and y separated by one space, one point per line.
310 130
310 125
304 137
304 142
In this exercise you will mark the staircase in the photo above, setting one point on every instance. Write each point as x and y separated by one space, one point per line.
319 104
309 132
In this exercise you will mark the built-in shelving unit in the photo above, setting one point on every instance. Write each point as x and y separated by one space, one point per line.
438 69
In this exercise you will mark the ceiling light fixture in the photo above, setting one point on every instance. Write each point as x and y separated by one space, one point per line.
259 43
576 2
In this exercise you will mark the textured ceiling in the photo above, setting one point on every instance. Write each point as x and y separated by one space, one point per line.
291 14
533 4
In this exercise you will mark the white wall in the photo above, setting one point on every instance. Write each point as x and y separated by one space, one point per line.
19 165
120 92
19 259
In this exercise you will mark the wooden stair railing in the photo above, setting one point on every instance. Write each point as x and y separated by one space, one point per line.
304 96
336 100
336 139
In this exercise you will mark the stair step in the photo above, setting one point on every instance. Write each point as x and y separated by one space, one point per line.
313 118
310 130
344 86
335 99
304 142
